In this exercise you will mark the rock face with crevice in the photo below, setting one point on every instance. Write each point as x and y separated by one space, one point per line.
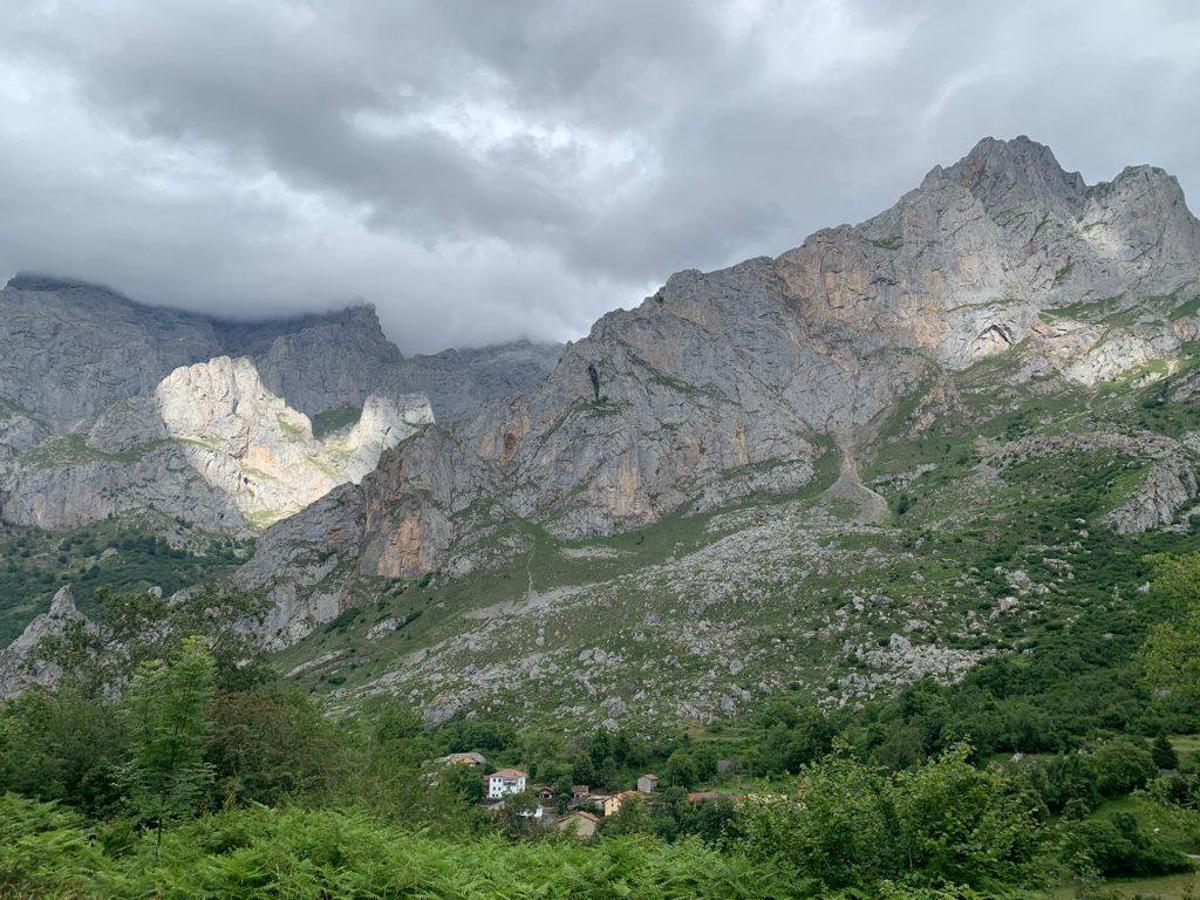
730 383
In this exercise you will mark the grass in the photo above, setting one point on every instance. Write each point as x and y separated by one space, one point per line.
1185 309
75 449
1163 887
333 420
1091 311
290 432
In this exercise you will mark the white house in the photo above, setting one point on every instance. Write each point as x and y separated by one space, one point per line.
505 781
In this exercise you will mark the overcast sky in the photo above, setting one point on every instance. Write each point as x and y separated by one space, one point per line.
482 171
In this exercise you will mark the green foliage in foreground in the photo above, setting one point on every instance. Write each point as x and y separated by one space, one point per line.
46 852
211 776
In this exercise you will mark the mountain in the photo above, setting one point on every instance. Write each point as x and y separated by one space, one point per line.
698 503
109 406
895 451
143 446
212 446
728 383
71 348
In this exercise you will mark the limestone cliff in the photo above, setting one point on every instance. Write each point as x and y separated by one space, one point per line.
211 445
69 349
728 383
105 405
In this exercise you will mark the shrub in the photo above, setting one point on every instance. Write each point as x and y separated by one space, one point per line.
1120 846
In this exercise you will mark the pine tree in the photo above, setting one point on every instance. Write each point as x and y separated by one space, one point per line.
1163 753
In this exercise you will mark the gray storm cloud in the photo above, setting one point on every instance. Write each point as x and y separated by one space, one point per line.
487 170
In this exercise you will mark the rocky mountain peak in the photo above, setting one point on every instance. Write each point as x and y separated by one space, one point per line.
725 384
1015 174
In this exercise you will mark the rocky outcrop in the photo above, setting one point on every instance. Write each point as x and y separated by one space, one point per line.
106 405
1168 487
459 383
304 567
23 664
963 266
211 446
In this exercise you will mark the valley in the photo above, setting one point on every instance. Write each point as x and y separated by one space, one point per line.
904 513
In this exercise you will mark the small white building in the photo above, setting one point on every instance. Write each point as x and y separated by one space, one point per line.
505 781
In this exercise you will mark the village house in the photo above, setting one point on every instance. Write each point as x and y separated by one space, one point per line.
505 781
648 783
605 804
579 824
610 806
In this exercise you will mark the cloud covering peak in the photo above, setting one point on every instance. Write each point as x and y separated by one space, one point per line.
481 170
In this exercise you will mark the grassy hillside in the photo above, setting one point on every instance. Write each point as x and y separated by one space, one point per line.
998 539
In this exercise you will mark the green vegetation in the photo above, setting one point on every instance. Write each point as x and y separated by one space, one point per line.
74 448
213 777
118 555
290 431
336 419
1185 309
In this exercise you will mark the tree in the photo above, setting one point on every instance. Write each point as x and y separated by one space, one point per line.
583 770
945 822
632 818
600 746
1171 657
270 744
463 780
61 746
1163 753
1171 654
681 770
167 776
563 789
518 813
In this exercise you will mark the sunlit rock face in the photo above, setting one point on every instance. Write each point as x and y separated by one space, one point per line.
103 410
213 446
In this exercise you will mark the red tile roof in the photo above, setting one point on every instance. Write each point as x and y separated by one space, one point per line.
507 773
